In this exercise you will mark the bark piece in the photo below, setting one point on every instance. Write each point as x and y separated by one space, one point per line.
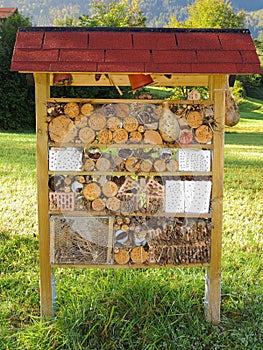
152 137
232 115
168 125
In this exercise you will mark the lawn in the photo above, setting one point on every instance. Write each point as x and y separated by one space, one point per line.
135 309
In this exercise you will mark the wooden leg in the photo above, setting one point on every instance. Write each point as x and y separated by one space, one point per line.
42 88
213 281
212 297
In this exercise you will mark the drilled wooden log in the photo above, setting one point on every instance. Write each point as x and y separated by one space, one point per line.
60 128
194 119
71 109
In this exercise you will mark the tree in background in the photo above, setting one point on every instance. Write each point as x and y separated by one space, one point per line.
114 14
66 21
17 99
219 14
211 14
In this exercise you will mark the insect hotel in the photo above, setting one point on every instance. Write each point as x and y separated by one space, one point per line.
138 182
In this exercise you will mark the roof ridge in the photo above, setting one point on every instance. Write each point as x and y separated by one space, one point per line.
135 29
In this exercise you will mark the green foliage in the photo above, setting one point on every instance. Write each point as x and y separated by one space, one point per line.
66 22
90 92
238 90
157 12
219 14
181 92
114 14
254 20
253 85
17 99
211 14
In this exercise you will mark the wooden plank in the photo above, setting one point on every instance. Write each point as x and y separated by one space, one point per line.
126 173
107 100
213 293
134 266
104 213
92 79
42 93
110 240
131 145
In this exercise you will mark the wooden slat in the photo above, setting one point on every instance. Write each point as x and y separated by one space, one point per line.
130 145
89 79
42 93
213 297
110 240
107 100
126 173
104 213
134 266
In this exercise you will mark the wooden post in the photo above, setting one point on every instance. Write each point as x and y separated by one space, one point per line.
213 282
42 91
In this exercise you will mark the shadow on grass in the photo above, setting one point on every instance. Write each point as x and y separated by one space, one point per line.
149 310
134 310
251 109
244 139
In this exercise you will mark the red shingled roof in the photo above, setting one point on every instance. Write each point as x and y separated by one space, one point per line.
5 12
158 50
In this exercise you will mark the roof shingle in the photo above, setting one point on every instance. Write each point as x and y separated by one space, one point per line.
145 50
6 12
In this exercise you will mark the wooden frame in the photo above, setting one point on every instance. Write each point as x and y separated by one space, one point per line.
217 86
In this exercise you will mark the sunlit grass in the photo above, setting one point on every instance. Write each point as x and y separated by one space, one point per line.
252 117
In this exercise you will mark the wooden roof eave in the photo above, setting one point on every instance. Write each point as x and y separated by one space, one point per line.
122 79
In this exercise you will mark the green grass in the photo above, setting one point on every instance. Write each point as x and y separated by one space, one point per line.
135 309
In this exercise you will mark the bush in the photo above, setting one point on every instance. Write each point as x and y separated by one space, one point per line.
238 90
17 98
